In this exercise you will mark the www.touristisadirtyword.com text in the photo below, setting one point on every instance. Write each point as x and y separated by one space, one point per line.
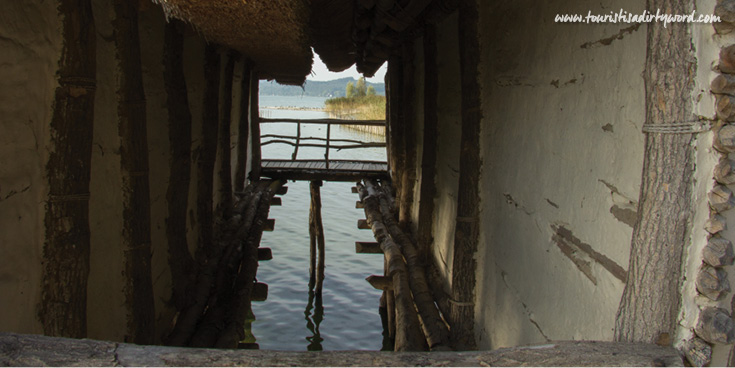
644 17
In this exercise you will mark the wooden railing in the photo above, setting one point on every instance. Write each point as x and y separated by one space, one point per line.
299 141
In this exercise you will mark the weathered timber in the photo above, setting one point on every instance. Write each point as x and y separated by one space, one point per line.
427 191
358 204
715 224
207 154
180 260
354 190
727 60
650 305
462 318
320 174
723 84
255 126
259 292
224 149
718 252
725 171
725 9
270 225
25 350
380 282
721 198
276 201
265 254
712 282
136 231
316 238
408 173
362 224
233 332
725 138
368 248
408 335
434 327
715 325
282 190
65 265
243 127
396 122
697 352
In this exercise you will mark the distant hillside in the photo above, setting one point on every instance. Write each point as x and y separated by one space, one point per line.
333 88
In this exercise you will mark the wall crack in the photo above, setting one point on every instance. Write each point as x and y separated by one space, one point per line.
608 40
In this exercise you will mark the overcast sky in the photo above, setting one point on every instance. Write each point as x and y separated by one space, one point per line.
321 73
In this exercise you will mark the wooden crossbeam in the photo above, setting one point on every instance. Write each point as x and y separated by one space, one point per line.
354 190
265 254
270 224
363 225
276 201
380 282
358 204
368 248
282 190
259 292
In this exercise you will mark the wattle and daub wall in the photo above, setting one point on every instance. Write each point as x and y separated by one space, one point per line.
32 47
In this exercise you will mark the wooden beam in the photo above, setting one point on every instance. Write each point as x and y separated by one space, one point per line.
380 282
358 204
316 238
255 126
270 225
276 201
649 306
224 147
427 190
408 174
65 262
243 128
265 254
180 260
282 190
368 248
396 122
464 264
259 292
323 121
362 224
136 231
325 175
354 189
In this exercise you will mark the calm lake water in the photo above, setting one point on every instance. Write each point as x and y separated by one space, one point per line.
289 320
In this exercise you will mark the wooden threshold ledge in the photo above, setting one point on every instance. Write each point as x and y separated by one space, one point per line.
35 350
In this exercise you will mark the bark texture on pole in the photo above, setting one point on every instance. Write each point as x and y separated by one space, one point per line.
243 128
224 207
134 166
395 122
650 303
462 314
408 135
208 153
427 191
63 307
179 134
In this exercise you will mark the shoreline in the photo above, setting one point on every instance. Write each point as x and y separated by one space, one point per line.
295 108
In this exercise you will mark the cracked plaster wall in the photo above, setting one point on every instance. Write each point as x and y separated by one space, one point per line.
562 153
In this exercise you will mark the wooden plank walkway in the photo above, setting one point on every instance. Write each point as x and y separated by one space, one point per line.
339 170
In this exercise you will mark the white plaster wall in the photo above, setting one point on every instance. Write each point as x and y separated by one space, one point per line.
449 130
561 143
31 41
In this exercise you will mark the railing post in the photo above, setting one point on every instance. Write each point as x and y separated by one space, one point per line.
298 140
326 155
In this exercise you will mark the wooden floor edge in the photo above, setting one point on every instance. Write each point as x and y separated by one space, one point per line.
36 350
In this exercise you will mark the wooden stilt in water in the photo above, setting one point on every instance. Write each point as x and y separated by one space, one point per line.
316 235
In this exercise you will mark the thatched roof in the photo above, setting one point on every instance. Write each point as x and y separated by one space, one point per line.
273 33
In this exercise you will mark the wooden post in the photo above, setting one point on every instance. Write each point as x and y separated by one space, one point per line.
224 207
316 235
462 315
136 231
179 135
326 154
394 123
243 128
408 174
650 304
255 126
63 306
298 141
208 152
427 192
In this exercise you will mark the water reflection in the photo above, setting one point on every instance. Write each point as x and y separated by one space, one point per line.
314 320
